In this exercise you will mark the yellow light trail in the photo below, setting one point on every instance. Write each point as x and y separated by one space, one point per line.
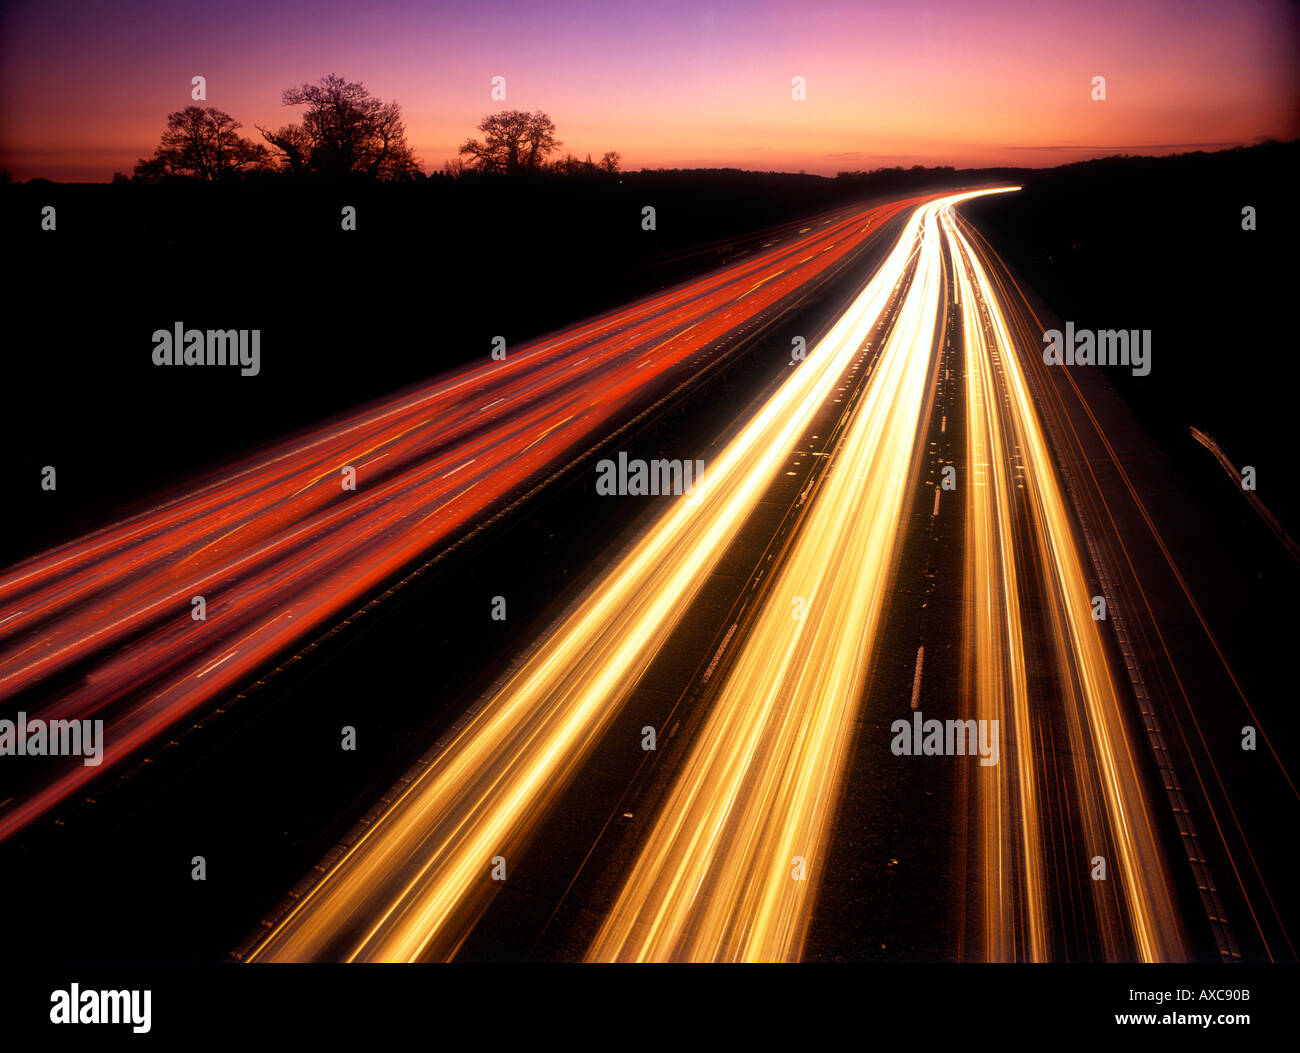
731 863
750 811
411 887
1115 809
1010 833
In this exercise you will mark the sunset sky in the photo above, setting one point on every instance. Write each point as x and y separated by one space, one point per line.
85 88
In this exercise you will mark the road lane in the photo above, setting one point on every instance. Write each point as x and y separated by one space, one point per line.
279 548
415 882
1135 904
730 868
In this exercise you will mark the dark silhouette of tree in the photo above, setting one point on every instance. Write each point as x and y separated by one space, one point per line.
294 145
150 170
201 142
609 163
513 141
570 165
344 131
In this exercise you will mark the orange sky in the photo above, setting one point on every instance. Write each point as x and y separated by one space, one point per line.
85 88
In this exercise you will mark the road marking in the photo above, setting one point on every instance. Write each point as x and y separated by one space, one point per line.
916 677
219 661
936 502
721 647
455 470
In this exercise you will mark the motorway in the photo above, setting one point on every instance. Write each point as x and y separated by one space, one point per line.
1183 644
285 544
1066 848
1134 908
921 520
411 887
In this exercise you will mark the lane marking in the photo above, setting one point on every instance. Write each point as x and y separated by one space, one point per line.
916 677
455 470
721 647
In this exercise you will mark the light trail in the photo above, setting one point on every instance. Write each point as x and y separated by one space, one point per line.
731 863
280 550
1010 831
1207 775
411 887
730 866
1225 818
1116 817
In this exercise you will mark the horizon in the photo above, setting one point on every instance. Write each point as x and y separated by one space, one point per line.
957 170
967 86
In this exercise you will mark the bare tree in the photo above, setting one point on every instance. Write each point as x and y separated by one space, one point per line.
609 163
294 145
513 141
202 143
344 131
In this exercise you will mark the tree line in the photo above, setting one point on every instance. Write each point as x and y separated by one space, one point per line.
346 132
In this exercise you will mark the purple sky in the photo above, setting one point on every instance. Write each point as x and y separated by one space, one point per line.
85 87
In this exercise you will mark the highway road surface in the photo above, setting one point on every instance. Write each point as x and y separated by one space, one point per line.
146 623
1077 840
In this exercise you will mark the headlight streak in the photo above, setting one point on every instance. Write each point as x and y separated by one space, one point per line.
1008 820
1110 790
416 881
714 880
760 783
